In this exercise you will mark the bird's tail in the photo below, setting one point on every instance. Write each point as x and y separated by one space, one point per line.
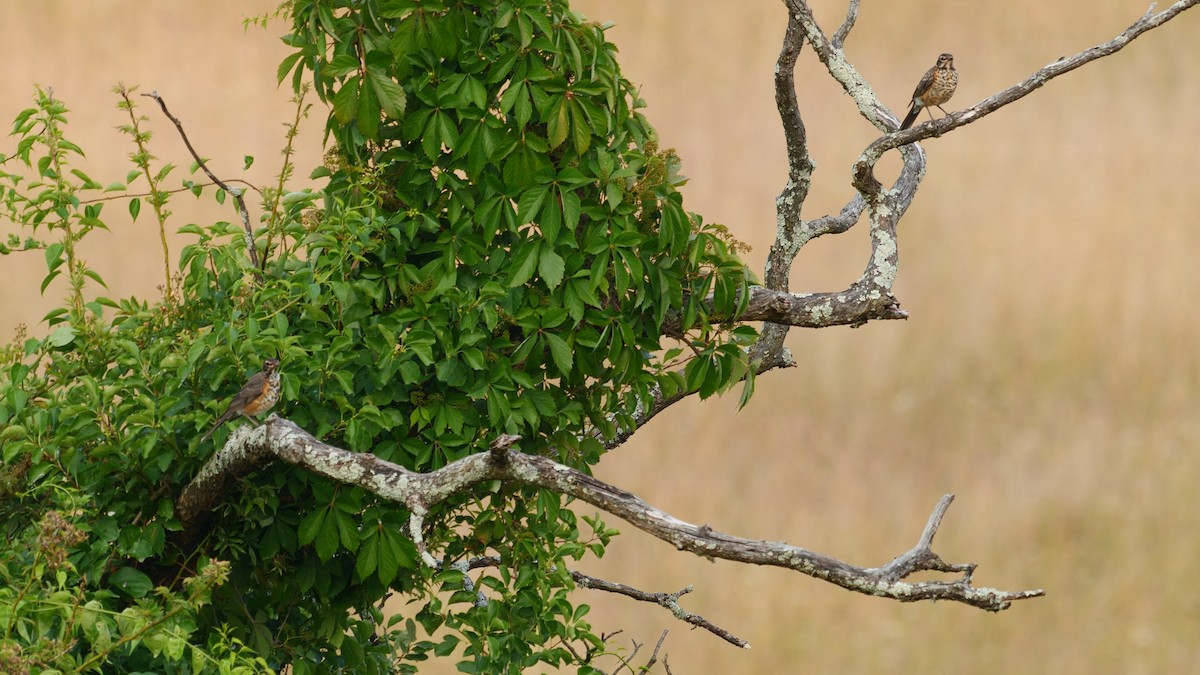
214 428
910 117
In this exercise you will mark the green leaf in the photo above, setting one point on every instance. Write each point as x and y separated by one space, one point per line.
327 539
50 277
53 255
368 113
133 582
367 557
61 336
311 525
285 66
558 122
347 528
581 131
524 263
560 352
391 95
390 555
551 267
530 203
345 101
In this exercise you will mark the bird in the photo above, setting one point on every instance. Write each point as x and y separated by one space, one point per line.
257 396
933 90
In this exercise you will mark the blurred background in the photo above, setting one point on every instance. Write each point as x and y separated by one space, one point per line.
1048 375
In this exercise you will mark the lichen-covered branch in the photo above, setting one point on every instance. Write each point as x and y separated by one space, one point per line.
870 296
862 301
421 492
864 176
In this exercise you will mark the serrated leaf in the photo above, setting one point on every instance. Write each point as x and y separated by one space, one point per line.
523 265
530 203
747 389
309 527
345 101
581 132
390 94
389 559
285 66
551 267
558 123
347 530
368 113
326 542
368 554
560 352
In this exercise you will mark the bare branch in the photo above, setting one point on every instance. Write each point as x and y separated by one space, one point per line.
647 410
420 492
668 600
654 657
870 297
789 201
921 556
237 194
864 177
839 38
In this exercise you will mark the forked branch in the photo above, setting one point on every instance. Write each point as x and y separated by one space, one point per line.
884 208
422 492
864 178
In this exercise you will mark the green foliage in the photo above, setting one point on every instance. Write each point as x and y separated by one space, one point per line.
51 622
499 248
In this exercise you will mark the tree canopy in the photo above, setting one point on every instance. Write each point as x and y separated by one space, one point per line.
490 282
495 244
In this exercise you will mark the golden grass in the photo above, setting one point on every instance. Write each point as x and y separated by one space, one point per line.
1048 375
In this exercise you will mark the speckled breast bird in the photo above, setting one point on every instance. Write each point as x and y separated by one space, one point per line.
934 89
257 396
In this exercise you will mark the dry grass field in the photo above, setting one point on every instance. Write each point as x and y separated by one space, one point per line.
1049 374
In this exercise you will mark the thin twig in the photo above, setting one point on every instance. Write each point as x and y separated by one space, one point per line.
252 251
839 37
669 601
654 657
285 172
187 188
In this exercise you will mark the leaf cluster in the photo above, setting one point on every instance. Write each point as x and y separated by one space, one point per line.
498 247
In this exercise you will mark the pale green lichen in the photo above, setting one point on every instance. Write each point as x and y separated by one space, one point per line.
885 269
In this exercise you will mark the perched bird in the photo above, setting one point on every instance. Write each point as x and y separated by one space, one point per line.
934 89
259 393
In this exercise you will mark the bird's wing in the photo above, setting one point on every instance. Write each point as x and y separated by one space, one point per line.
252 389
925 83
